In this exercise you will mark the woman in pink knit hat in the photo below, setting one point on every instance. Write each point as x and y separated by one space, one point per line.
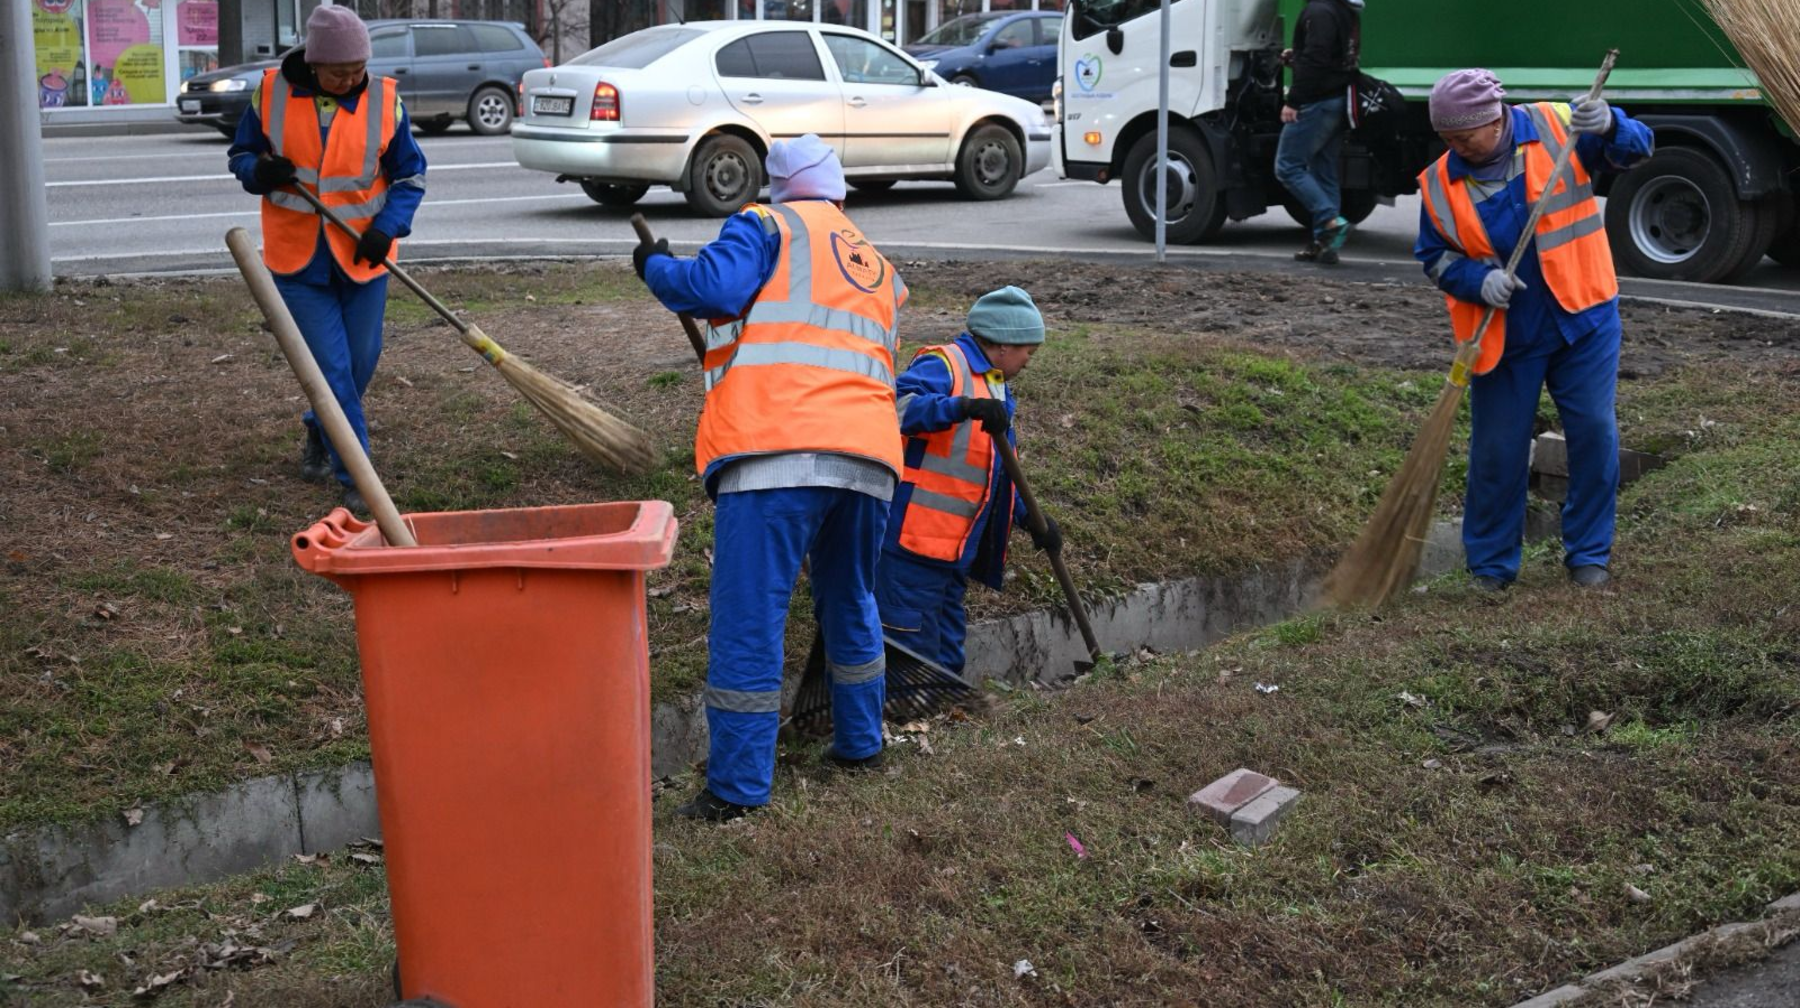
320 121
1556 320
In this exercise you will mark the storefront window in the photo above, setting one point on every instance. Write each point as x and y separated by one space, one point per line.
120 52
788 10
694 10
197 36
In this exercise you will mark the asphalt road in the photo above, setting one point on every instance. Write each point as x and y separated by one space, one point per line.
162 203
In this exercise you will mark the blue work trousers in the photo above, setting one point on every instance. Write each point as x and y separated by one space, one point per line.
341 322
922 608
1306 158
1583 378
759 540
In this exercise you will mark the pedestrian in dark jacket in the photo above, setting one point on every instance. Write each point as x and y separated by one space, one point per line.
1324 59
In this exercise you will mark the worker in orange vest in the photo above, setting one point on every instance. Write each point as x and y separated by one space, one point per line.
799 450
956 506
1556 321
322 122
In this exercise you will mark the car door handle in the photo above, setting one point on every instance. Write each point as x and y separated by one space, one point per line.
1184 58
858 102
399 71
474 66
753 99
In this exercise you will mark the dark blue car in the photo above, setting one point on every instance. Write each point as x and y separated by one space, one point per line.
1001 51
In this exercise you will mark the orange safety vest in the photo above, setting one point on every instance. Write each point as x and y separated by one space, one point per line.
809 366
955 474
344 172
1570 237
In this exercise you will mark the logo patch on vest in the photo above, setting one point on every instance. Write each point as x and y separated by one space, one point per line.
859 263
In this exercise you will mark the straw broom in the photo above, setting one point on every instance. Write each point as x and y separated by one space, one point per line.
1765 32
1384 557
598 434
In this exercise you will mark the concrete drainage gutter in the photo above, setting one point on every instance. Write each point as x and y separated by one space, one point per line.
52 872
1779 925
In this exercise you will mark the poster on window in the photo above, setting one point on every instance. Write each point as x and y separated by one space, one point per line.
56 39
125 55
197 23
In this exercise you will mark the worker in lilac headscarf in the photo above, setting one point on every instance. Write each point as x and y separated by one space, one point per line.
799 447
1556 320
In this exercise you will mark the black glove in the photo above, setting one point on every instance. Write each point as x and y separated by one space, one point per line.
372 247
1050 540
991 413
273 172
642 254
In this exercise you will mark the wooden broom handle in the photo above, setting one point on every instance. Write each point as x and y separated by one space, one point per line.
688 325
1473 346
312 381
1010 460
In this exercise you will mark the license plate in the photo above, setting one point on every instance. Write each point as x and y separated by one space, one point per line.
551 105
190 106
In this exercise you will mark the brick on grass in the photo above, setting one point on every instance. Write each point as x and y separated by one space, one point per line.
1254 823
1229 793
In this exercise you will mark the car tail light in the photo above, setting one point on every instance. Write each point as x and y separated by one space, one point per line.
547 63
606 103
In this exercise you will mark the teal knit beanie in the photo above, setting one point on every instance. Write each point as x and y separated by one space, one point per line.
1007 315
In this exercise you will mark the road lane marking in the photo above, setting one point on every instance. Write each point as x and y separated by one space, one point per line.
252 213
233 178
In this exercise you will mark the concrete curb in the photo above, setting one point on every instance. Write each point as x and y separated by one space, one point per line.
1645 966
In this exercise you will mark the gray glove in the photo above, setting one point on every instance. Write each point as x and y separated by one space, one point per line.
1591 117
1497 288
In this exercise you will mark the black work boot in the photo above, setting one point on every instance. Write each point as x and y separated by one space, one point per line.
353 499
848 765
1314 252
709 807
1487 583
315 463
1590 576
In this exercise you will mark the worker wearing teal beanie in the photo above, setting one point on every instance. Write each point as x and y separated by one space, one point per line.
955 506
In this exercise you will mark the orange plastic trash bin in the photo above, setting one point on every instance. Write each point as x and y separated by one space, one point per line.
506 675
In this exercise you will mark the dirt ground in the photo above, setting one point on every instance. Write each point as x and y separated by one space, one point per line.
1401 327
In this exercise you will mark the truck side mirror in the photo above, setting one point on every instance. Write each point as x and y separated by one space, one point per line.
1115 40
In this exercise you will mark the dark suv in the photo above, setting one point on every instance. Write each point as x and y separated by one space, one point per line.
448 70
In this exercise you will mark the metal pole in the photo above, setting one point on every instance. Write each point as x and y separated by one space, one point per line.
1162 135
24 211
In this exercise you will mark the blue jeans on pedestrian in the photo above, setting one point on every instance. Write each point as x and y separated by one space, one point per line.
1306 158
341 323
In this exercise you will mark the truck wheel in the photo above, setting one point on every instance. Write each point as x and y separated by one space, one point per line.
491 112
725 174
1195 207
611 194
1677 217
989 164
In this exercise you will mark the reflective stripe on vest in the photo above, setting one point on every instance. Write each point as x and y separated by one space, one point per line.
809 366
955 472
1570 237
344 171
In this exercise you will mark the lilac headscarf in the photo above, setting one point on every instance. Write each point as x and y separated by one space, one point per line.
1465 99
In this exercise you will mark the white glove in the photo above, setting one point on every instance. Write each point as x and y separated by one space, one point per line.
1497 288
1591 117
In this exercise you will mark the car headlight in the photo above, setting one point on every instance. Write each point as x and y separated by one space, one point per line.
929 64
230 84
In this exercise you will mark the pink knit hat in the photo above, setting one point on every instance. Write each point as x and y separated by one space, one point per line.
336 35
1465 99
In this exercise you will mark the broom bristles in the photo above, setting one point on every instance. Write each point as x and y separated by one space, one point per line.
1382 561
1764 32
598 434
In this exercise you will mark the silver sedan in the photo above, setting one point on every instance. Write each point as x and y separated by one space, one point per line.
695 106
